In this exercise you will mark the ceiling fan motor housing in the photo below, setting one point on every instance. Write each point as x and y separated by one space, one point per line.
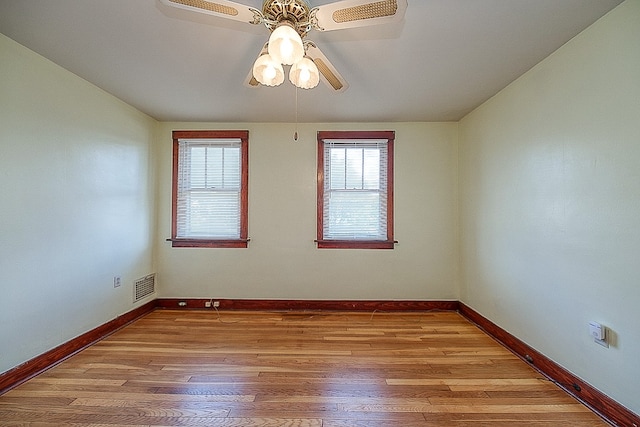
294 11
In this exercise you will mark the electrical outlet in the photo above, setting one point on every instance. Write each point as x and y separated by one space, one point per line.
216 304
596 330
599 333
207 304
117 281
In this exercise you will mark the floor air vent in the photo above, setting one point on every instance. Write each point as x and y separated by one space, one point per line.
144 286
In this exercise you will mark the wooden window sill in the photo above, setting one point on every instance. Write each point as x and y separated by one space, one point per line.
207 243
356 244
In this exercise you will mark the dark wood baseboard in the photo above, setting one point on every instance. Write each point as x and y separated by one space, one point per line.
21 373
279 305
600 403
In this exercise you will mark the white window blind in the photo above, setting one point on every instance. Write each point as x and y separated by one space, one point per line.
355 189
209 189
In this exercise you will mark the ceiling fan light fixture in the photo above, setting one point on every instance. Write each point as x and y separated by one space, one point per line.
304 74
289 22
285 44
268 71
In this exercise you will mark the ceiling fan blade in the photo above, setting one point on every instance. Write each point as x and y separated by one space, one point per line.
358 13
251 81
221 8
328 73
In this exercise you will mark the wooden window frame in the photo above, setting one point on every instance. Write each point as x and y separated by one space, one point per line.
322 243
242 241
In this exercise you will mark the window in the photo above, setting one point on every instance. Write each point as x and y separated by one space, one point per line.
355 189
210 189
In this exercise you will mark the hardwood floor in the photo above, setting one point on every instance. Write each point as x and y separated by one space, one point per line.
329 369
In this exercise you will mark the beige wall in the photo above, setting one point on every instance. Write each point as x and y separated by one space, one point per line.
550 205
282 261
75 204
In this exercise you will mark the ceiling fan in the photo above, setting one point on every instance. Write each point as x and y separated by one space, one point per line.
289 22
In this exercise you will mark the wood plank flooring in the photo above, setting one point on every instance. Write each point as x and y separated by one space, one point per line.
298 369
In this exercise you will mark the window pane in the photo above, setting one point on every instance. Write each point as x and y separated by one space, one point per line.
336 175
215 167
354 168
354 215
371 179
231 169
212 214
197 158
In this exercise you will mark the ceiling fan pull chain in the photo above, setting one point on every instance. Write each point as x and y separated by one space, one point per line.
295 134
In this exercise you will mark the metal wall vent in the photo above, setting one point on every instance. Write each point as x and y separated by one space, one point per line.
144 286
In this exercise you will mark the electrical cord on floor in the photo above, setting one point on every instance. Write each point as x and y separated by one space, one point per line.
220 317
212 305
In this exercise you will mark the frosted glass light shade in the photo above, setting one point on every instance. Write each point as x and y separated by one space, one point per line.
285 44
268 71
304 74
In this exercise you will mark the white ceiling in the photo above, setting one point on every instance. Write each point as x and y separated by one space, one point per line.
443 60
